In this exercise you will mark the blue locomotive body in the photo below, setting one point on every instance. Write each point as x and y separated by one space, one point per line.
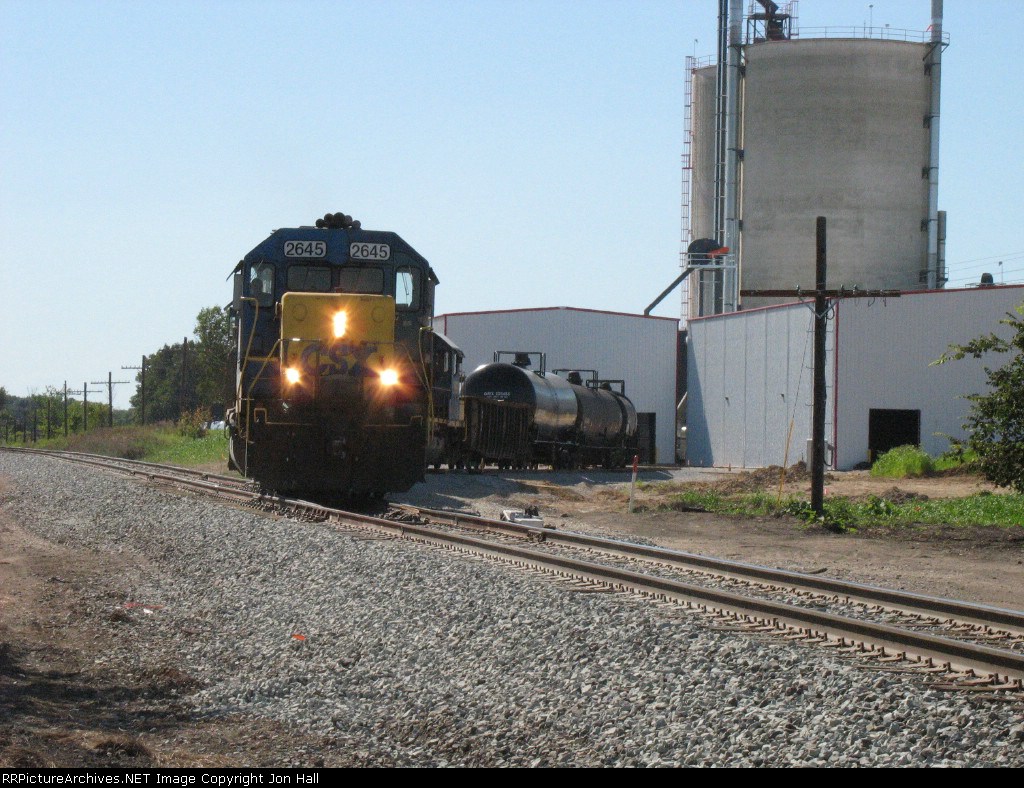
333 375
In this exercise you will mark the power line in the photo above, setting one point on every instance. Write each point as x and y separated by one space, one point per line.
1004 256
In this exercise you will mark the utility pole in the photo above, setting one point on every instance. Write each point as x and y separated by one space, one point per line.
65 408
110 383
181 387
85 404
142 386
820 392
822 308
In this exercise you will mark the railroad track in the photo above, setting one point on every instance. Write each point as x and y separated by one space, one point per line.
963 645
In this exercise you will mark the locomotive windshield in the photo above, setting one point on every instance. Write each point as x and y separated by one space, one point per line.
309 279
361 280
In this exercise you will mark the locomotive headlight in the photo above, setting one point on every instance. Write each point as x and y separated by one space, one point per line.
340 324
388 377
292 375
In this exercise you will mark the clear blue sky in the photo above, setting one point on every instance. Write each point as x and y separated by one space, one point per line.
529 149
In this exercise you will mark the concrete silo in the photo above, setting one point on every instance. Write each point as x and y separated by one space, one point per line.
843 126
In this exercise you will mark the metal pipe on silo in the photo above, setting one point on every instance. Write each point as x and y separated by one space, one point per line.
720 112
936 276
942 247
732 137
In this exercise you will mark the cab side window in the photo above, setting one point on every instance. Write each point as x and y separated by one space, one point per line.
407 288
261 283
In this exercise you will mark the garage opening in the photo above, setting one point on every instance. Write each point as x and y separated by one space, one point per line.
645 431
888 429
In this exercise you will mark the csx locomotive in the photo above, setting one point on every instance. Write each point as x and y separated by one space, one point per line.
340 381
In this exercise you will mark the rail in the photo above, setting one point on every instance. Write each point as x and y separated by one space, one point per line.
964 663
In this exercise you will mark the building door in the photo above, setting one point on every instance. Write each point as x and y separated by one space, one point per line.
888 429
646 448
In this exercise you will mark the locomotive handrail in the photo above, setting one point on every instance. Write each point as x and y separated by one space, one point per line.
248 345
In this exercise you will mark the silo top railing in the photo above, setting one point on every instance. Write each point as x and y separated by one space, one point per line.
864 31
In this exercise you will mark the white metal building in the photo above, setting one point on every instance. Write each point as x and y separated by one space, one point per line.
749 376
639 349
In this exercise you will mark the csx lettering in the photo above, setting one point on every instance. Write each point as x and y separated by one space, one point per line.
337 358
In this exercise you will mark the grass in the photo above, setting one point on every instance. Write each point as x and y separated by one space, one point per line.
910 461
845 513
212 447
903 462
153 443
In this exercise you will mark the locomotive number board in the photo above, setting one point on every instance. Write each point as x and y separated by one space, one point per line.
305 249
362 251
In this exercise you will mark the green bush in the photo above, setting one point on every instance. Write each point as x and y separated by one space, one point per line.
961 458
903 461
192 423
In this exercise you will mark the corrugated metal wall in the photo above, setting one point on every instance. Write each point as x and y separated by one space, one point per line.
885 354
749 375
640 350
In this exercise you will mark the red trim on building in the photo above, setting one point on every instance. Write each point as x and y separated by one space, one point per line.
446 315
752 311
903 294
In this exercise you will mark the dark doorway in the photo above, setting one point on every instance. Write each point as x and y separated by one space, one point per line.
645 438
888 429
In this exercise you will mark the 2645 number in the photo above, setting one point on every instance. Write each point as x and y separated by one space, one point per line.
360 251
305 249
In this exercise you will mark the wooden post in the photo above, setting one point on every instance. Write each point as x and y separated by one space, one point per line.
142 384
820 394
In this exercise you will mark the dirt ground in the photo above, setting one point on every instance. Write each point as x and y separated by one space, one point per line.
981 564
61 704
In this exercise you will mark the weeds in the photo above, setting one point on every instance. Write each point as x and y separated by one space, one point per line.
903 461
909 461
846 514
162 442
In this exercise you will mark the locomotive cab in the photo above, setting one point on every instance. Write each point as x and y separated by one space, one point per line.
331 393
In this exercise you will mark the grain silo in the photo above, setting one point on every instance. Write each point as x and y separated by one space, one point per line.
841 123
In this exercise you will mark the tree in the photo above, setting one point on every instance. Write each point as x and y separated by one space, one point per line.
179 380
168 395
214 350
995 424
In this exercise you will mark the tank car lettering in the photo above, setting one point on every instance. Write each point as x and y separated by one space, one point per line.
502 395
364 251
305 249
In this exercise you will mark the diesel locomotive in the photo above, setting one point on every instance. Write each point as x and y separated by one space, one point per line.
340 381
517 416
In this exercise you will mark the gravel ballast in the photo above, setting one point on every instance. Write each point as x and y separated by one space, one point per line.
415 656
